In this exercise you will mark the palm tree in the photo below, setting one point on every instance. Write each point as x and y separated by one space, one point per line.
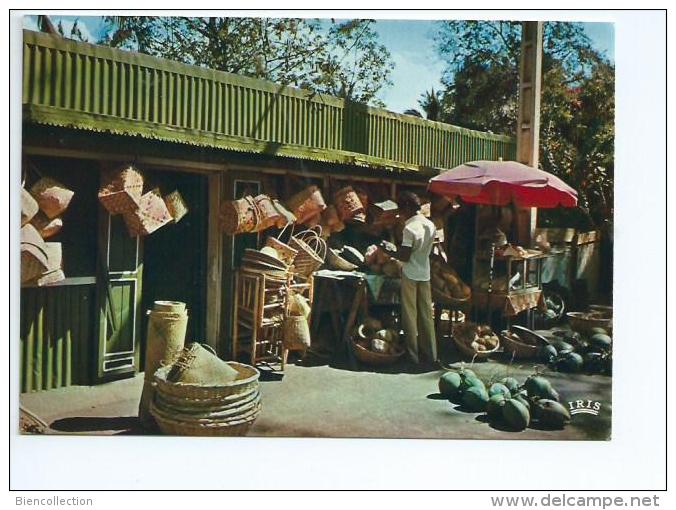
430 102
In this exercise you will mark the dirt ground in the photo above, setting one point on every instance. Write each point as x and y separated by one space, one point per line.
325 401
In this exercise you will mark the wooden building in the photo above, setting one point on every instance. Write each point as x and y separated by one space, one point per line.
213 136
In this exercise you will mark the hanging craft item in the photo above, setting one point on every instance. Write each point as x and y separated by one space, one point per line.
54 272
268 214
176 205
286 253
296 332
34 260
363 196
47 228
306 203
122 190
239 216
313 221
311 251
52 196
152 213
29 207
331 222
348 205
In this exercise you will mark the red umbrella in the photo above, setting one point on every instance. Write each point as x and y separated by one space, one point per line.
503 182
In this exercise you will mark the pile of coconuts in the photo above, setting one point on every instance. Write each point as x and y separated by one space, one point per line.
508 402
572 352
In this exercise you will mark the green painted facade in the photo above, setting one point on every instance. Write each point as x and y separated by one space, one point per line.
79 85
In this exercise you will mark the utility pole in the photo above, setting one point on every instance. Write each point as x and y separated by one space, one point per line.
528 124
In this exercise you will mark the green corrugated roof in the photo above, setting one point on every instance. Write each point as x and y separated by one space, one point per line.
83 86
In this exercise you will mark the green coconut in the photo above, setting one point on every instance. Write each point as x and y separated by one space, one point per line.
475 398
523 398
561 346
494 407
601 341
547 353
537 386
465 372
511 383
598 331
499 388
551 414
515 414
571 362
449 384
469 381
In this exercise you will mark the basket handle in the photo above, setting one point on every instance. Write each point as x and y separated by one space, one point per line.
293 227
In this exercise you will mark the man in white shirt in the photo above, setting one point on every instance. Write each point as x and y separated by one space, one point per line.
416 292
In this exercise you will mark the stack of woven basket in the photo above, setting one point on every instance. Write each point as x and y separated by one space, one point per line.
200 395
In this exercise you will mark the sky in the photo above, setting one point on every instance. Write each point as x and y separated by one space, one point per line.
410 42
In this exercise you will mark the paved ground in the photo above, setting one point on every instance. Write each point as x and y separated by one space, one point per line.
323 401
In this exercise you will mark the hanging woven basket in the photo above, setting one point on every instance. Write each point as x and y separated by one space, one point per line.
122 190
239 216
176 205
152 213
296 332
34 258
47 228
52 196
29 207
268 214
306 203
348 204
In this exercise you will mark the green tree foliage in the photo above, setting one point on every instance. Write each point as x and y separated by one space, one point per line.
344 59
430 102
577 106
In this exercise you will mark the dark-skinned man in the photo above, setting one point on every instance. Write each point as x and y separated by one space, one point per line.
416 292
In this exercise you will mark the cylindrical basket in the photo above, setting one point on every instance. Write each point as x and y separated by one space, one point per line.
267 212
34 256
122 190
52 196
239 216
247 380
152 213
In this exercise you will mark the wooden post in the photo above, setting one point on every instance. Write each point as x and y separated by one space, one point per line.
214 265
528 125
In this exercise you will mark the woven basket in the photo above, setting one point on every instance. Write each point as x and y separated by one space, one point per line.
205 404
363 196
383 214
29 207
34 257
47 227
200 365
52 196
460 337
173 427
286 217
284 251
248 379
519 350
152 213
347 203
239 216
335 261
268 214
306 203
375 358
224 413
296 332
176 205
311 251
122 190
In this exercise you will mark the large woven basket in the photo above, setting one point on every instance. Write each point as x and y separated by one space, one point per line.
205 404
268 214
306 203
236 427
34 256
239 216
375 358
311 251
152 213
47 227
247 380
222 413
296 332
583 323
122 190
52 196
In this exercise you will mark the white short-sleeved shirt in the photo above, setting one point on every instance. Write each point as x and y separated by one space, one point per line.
419 236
